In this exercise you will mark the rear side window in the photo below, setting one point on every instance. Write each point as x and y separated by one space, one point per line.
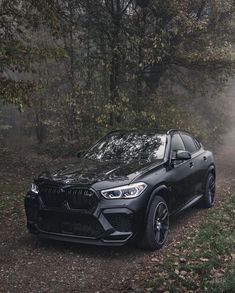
177 143
197 143
189 143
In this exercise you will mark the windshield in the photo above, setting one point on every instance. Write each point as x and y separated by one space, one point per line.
129 146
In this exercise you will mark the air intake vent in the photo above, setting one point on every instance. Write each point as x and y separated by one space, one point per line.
84 225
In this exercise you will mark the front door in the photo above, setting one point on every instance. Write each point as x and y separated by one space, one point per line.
180 176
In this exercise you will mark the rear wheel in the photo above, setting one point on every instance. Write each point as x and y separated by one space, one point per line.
157 225
209 194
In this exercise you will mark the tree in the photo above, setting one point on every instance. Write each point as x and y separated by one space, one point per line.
112 63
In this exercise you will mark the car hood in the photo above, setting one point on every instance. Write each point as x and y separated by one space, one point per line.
89 172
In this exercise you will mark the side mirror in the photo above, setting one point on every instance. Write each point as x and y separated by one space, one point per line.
182 155
80 154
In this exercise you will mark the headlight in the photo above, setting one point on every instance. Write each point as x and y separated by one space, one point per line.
127 191
34 188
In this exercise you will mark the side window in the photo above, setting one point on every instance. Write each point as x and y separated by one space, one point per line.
177 143
189 143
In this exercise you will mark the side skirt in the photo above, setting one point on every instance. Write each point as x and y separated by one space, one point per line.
190 203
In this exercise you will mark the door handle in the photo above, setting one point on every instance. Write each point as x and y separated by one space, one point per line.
204 158
191 164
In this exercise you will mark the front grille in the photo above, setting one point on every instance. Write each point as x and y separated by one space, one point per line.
52 196
120 221
81 198
78 225
75 198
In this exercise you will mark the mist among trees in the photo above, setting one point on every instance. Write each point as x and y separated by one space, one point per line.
79 68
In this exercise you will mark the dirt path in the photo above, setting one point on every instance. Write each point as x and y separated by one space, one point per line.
28 265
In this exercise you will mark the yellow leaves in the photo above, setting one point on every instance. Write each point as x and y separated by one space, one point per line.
153 117
177 271
209 52
204 259
233 256
17 92
180 273
183 260
100 119
222 6
125 99
155 259
183 273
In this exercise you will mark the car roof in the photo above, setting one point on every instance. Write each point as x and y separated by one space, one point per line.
160 131
150 130
177 130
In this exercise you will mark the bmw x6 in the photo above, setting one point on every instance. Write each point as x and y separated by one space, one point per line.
124 188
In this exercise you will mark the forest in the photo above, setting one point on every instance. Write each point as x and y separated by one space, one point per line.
73 70
77 69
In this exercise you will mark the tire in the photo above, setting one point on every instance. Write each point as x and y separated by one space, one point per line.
209 194
157 226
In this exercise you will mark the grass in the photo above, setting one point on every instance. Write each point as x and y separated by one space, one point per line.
9 194
225 284
205 262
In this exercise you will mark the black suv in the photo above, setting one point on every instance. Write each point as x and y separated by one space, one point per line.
123 188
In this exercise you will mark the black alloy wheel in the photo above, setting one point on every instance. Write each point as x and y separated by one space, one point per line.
157 226
209 195
161 223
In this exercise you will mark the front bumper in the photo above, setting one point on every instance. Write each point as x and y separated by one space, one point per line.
110 223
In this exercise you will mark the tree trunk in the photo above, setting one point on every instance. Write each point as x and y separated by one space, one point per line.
115 61
40 126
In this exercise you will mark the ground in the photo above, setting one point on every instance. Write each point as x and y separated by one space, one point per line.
29 265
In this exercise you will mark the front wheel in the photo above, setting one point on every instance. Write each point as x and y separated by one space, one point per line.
157 226
209 194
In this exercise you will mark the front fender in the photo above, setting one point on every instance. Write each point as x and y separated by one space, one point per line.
162 191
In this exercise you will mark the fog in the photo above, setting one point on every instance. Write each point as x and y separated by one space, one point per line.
225 151
18 129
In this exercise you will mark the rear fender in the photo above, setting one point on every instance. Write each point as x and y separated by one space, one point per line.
211 169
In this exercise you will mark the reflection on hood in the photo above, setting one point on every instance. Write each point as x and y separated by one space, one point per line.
84 171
